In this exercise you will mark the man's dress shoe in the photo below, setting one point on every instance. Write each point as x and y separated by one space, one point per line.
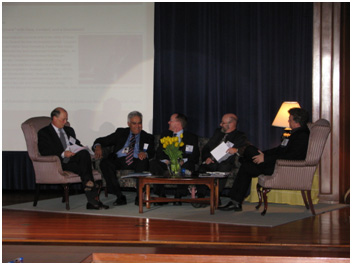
91 206
120 201
103 206
230 206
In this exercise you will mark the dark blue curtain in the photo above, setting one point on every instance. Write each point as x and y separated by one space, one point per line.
245 58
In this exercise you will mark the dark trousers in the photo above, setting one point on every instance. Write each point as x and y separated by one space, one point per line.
160 169
81 164
225 166
247 171
109 166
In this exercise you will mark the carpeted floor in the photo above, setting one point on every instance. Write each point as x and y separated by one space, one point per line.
277 214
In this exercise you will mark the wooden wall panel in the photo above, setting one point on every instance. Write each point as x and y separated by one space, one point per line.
326 92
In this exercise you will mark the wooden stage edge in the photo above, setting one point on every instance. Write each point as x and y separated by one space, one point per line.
48 237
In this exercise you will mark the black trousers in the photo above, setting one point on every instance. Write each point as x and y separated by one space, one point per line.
247 171
81 164
159 168
109 166
225 166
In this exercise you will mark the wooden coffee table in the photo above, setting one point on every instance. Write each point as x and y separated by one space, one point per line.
211 182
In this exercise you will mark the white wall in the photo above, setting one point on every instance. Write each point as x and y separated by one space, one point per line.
93 59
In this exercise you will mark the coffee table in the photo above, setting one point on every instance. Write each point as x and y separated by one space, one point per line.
211 182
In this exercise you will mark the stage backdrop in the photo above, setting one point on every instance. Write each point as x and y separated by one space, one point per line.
245 58
93 59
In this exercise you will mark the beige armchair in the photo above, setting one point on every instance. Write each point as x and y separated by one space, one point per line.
47 169
297 174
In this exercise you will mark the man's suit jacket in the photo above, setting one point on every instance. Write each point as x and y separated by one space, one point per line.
119 138
296 148
49 142
189 139
239 139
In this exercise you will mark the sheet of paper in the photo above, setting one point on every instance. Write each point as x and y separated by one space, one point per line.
76 148
219 152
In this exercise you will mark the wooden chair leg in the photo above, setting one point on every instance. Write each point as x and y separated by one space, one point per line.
260 196
66 194
265 191
36 195
310 202
303 192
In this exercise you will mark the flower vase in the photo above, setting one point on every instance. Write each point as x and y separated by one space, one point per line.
175 168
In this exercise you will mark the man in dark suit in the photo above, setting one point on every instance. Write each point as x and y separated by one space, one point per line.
56 139
255 162
229 134
133 148
190 153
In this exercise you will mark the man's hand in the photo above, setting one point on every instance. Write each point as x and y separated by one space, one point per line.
258 158
98 153
142 155
232 151
209 161
68 154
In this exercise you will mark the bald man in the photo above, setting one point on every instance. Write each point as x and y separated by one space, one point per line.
227 133
55 139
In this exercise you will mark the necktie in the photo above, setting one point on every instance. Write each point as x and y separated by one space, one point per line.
129 156
224 138
62 138
63 142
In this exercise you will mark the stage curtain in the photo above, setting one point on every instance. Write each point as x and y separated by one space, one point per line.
245 58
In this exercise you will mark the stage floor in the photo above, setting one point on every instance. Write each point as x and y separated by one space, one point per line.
49 237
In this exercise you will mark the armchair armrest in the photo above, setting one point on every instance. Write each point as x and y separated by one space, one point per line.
291 163
46 159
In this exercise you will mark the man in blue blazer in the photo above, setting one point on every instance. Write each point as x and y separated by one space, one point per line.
133 148
255 162
55 139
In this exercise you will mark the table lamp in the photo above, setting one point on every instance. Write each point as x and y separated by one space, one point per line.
281 119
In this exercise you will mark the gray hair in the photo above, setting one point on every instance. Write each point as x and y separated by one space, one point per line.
133 114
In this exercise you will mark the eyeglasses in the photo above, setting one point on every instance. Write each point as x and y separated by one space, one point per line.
225 122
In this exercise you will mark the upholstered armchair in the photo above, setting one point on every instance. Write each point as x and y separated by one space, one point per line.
297 174
47 169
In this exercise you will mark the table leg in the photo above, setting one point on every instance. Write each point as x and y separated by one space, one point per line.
147 195
216 193
140 195
212 197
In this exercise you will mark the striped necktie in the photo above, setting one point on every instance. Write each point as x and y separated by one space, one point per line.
129 156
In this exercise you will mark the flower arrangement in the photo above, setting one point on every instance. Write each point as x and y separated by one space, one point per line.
171 147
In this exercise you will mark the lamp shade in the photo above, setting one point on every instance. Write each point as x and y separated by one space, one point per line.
281 119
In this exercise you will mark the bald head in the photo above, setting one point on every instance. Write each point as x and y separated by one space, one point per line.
228 123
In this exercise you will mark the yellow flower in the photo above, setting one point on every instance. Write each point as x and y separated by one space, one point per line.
181 135
182 144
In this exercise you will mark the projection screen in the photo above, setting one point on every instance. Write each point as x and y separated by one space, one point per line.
93 59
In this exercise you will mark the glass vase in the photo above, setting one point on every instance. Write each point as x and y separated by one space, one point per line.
174 168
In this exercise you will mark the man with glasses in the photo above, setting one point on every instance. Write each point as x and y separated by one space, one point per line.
56 139
133 148
228 134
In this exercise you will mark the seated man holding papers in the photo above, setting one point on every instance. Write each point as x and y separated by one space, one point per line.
220 151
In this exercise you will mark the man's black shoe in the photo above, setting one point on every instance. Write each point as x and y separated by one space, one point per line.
120 201
91 206
103 206
230 206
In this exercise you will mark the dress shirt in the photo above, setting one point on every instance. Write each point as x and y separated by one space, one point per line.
136 146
